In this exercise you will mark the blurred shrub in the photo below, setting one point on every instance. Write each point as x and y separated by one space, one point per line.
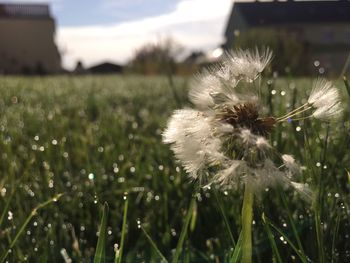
291 54
156 58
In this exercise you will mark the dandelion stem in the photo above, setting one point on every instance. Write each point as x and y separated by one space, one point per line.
247 217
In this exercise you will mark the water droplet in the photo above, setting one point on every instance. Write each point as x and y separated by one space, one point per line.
298 128
54 142
3 192
318 164
10 215
336 195
283 93
273 92
91 176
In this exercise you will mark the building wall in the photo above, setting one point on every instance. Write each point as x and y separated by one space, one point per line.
327 44
27 46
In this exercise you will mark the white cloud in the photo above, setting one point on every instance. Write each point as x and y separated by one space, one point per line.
194 23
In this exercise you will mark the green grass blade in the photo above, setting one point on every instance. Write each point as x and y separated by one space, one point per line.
119 254
291 221
6 208
296 250
163 259
25 224
100 254
225 218
272 240
335 234
347 85
184 230
238 249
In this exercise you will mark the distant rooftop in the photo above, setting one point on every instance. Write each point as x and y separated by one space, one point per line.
25 10
278 12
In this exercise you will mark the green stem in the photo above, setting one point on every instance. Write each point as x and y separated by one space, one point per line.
247 217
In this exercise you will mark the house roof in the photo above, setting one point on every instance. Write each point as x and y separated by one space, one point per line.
24 11
289 12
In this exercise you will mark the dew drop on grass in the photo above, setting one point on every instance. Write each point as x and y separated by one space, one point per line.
91 176
54 142
283 93
318 164
138 221
336 195
273 92
36 137
132 169
3 192
298 128
157 198
10 215
177 169
160 167
121 180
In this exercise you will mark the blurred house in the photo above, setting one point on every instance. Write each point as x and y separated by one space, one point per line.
106 68
27 40
321 27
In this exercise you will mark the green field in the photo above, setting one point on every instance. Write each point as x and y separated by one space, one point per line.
98 139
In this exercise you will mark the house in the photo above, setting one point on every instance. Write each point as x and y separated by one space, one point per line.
27 40
106 68
322 27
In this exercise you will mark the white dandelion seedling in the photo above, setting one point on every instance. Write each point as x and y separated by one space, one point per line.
224 141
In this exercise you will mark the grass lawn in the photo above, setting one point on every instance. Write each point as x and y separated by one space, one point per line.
98 139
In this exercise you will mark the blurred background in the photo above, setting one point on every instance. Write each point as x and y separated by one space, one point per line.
114 36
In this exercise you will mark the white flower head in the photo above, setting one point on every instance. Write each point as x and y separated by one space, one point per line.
247 65
190 133
325 98
224 141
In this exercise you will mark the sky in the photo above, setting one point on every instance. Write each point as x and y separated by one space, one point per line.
95 31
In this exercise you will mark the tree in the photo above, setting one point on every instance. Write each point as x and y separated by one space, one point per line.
156 58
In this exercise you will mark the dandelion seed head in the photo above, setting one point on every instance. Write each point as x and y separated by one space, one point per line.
325 98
